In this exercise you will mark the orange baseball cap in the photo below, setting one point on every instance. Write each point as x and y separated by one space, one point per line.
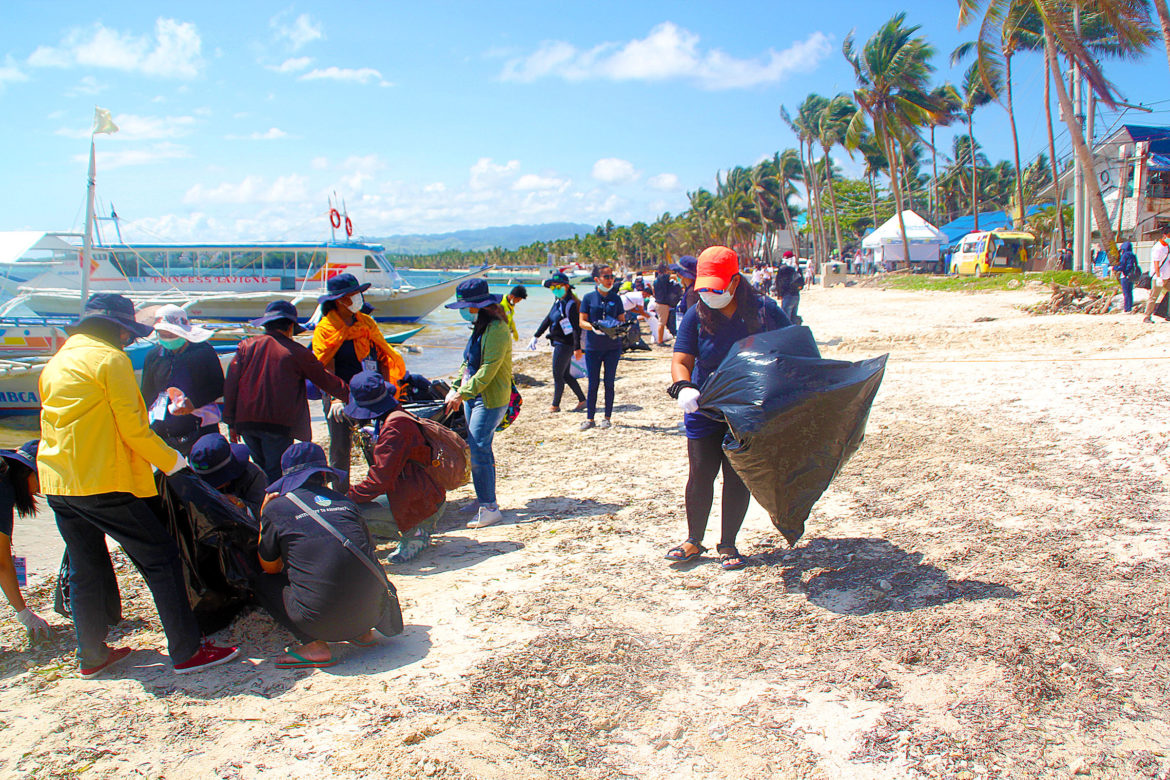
717 265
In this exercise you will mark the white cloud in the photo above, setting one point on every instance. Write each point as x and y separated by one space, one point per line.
531 181
174 51
121 158
668 52
292 65
663 181
299 32
319 163
132 127
87 86
486 173
437 186
10 72
271 134
334 73
613 170
251 189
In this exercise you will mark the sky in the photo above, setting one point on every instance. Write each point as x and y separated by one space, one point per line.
238 121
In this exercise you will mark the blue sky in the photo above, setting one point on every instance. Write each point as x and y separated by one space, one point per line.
239 120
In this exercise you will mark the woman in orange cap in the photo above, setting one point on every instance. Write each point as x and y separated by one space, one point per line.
728 310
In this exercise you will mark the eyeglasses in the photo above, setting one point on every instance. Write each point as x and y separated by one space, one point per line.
605 276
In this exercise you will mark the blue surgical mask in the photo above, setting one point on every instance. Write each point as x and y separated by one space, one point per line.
467 314
173 345
559 292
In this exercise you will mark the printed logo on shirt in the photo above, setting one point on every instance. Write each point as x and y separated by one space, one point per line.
321 501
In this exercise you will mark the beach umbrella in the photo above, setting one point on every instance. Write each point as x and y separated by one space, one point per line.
794 418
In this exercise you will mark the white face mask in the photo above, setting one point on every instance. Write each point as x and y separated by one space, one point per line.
603 289
356 304
717 300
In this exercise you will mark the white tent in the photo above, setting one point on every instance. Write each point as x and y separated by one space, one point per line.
886 242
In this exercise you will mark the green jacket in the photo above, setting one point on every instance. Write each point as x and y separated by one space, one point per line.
493 380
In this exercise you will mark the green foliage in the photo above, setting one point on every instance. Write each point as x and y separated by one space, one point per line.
994 282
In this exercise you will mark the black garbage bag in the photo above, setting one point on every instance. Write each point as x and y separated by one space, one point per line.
217 544
436 410
794 418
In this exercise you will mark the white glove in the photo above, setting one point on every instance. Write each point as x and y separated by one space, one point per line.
532 345
688 400
337 413
182 464
36 626
452 394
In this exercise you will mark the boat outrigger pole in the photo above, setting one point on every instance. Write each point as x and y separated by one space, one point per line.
102 123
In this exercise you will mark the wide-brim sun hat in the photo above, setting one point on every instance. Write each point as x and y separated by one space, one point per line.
25 454
473 294
299 462
340 286
716 267
216 461
370 396
115 309
278 310
173 321
685 266
557 278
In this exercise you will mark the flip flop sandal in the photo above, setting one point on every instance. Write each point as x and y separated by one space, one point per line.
300 662
731 558
679 555
360 643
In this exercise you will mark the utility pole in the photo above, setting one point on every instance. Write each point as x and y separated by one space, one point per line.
1078 172
1086 211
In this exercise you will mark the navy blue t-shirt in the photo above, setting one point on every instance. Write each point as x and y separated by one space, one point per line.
7 505
597 308
709 349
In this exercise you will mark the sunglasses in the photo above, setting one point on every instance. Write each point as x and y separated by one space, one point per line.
605 276
711 290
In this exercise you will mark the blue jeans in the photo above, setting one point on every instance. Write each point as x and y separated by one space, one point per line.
481 429
1126 292
594 360
266 448
789 304
84 522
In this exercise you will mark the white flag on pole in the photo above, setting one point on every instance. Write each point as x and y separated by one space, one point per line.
102 123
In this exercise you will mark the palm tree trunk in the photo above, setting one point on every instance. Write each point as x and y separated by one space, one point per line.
1023 208
894 175
833 203
788 215
1052 152
1164 20
974 169
934 177
872 199
818 221
1096 202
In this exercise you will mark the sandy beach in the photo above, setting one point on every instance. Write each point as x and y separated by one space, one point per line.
983 592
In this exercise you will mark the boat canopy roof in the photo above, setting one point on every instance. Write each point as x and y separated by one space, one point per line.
15 244
287 245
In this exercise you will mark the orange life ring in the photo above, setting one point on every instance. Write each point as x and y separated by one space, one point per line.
348 227
335 218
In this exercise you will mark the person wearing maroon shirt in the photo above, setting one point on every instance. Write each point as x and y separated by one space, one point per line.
264 396
401 456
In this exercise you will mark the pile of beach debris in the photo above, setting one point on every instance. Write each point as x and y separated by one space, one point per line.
1074 299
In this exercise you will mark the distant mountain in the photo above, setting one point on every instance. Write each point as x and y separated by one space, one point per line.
510 237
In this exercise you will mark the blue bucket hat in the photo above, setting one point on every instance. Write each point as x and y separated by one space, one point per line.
25 454
473 293
299 462
557 278
216 461
370 396
687 266
113 308
276 311
340 286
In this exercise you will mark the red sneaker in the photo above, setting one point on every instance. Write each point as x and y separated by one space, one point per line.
207 656
117 654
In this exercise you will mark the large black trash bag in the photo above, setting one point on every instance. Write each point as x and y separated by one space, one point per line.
794 418
217 544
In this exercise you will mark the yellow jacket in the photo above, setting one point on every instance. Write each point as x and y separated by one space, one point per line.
95 437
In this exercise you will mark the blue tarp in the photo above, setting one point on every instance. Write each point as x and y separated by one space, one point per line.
988 220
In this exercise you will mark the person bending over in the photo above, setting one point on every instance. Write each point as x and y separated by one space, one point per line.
227 468
18 489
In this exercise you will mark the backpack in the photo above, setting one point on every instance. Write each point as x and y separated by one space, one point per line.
450 465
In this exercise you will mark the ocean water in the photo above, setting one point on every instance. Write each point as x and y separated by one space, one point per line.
435 352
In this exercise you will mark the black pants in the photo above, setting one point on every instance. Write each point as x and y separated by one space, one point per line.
705 457
266 447
562 373
84 523
269 590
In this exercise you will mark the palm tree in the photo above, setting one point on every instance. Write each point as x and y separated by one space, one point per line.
892 70
805 127
875 163
974 95
702 204
789 168
947 102
1164 22
832 123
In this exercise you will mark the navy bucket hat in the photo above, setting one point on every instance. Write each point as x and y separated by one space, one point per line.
340 286
113 308
276 311
473 293
216 461
370 396
557 278
25 454
687 266
299 462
